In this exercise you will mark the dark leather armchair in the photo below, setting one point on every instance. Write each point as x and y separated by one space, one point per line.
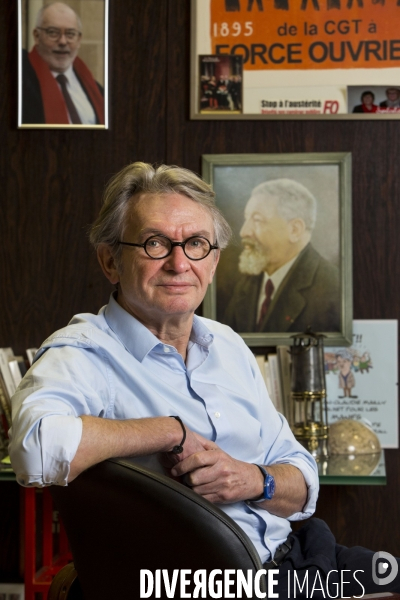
121 518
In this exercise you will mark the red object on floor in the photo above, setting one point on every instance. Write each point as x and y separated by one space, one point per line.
39 579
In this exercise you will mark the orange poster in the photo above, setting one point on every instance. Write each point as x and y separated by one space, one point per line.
298 57
307 34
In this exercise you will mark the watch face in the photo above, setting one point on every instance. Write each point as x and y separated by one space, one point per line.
269 487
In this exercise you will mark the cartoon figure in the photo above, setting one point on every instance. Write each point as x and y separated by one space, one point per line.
347 380
365 362
356 363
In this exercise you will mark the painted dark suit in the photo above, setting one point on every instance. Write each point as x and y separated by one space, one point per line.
308 296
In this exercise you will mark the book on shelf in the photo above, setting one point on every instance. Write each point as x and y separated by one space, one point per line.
12 591
5 420
269 371
15 370
5 405
267 375
260 359
30 353
276 371
276 386
7 354
285 371
264 370
12 369
3 439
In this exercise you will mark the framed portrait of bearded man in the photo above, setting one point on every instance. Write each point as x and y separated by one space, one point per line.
288 266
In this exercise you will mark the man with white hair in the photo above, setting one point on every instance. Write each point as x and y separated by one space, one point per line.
57 86
286 285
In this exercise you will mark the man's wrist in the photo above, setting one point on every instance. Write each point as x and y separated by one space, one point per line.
268 490
178 448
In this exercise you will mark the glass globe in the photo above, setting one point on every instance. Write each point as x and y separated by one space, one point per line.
350 437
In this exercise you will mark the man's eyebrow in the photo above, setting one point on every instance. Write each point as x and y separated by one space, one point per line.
152 231
252 213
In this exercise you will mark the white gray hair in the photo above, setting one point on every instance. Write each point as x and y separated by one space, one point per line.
293 200
39 16
142 178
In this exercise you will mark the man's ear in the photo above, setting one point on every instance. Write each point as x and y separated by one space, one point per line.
217 254
297 228
36 36
107 263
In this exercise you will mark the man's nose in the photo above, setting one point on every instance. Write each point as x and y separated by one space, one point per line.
246 230
177 260
63 38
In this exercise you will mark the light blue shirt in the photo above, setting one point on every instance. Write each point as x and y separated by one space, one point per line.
112 366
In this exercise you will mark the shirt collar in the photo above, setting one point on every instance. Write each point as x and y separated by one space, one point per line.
138 339
68 73
200 333
280 274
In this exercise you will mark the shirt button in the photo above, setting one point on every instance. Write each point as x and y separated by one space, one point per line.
217 415
166 349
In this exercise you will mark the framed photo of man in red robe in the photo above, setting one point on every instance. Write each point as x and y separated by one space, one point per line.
289 266
63 64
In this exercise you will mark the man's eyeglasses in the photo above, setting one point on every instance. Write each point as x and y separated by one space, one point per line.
159 246
54 33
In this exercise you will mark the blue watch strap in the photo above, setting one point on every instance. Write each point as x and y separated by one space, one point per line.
269 485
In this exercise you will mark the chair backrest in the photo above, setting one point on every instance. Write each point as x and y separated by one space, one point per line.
121 518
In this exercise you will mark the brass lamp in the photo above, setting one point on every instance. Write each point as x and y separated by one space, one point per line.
308 393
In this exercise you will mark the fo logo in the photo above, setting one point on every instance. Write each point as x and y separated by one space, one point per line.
384 568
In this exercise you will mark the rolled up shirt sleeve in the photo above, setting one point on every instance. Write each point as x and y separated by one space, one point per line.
285 449
42 449
59 440
46 426
41 453
312 482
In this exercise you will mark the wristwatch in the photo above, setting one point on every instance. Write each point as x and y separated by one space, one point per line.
269 486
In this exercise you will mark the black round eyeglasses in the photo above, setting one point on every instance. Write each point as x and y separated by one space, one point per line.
196 247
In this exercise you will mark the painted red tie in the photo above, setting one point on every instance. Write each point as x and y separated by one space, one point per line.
269 288
73 113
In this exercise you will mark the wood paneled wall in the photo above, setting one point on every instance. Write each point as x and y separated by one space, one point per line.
52 181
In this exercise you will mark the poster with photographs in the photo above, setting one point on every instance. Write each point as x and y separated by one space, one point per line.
373 99
300 58
221 84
